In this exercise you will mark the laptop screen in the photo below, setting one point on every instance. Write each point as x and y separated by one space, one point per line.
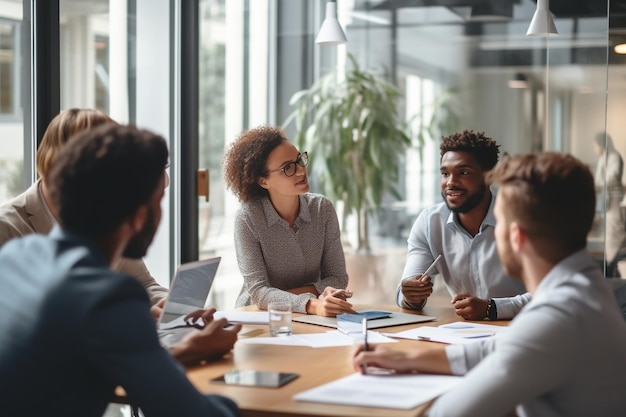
190 288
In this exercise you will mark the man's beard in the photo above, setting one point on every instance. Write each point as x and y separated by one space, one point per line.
138 245
471 203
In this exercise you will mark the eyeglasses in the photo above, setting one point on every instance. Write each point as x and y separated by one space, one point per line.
290 168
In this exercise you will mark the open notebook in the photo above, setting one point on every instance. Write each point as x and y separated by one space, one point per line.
188 293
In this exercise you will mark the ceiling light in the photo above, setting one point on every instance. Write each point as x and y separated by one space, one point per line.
542 23
620 48
331 32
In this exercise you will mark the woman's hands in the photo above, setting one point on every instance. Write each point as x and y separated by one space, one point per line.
330 302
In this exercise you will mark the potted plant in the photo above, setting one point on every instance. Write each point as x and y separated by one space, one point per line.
356 142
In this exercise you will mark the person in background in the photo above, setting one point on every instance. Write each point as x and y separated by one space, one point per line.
71 328
461 229
608 180
34 212
287 240
563 354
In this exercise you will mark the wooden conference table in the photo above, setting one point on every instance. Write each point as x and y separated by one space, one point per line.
316 366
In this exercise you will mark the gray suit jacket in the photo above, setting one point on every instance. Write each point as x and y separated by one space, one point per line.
26 214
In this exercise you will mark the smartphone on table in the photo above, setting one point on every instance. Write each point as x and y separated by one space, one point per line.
253 378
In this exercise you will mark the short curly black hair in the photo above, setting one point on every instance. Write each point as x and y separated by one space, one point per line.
484 149
244 161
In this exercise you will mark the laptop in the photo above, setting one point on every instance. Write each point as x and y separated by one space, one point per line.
188 293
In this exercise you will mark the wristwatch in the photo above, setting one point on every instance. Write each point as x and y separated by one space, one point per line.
492 310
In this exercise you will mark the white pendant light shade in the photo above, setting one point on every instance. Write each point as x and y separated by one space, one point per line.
542 23
331 32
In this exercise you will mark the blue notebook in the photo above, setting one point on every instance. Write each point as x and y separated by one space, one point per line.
369 315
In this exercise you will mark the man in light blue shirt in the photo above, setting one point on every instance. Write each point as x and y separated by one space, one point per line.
563 354
461 229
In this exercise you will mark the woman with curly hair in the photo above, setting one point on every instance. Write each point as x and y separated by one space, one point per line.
287 240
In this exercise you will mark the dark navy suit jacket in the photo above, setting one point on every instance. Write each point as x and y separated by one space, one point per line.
71 330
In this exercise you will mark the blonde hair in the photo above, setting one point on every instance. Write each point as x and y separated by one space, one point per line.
61 129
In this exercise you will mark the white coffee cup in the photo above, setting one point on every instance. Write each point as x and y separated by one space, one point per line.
280 318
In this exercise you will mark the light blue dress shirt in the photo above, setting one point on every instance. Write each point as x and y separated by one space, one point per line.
468 264
563 355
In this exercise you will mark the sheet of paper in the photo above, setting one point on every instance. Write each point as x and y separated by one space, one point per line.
244 317
453 333
389 391
317 340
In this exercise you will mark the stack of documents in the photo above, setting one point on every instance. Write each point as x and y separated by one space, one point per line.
331 338
402 391
244 317
453 333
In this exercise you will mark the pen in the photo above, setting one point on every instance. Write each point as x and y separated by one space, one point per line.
430 268
365 346
364 323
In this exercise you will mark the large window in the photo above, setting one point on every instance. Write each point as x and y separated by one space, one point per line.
234 95
9 65
13 148
115 57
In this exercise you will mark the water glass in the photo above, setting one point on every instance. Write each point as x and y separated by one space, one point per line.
280 318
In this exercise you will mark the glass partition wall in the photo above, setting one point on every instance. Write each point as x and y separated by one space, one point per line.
465 64
472 62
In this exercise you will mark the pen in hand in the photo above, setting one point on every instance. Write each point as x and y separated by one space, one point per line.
430 268
365 346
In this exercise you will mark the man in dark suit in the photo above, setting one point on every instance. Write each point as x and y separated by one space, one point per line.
72 329
34 212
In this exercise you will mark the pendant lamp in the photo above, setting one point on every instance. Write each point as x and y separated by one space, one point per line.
331 32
